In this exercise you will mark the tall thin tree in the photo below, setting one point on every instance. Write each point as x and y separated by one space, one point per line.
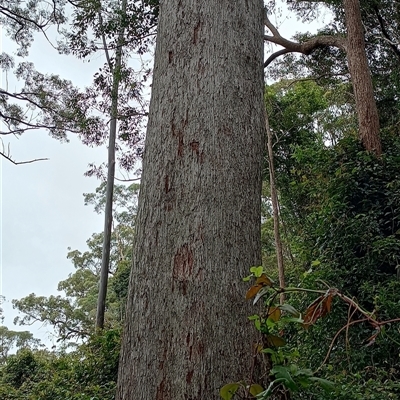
275 209
115 69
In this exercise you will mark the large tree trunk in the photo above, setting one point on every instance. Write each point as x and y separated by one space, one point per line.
368 118
198 225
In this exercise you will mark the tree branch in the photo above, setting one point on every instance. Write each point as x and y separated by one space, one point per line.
294 47
275 55
385 33
22 162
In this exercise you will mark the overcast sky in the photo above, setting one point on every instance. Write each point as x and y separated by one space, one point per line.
42 210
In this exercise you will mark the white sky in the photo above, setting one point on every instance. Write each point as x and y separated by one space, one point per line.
42 203
42 210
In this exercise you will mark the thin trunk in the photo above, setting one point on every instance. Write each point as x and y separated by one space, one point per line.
368 118
198 224
275 210
105 261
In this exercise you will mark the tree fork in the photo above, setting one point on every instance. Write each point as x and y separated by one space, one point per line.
354 47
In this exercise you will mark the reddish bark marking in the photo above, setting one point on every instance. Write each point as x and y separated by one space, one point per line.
161 390
194 145
183 264
180 145
189 376
200 348
167 187
164 358
196 33
179 134
183 287
190 352
196 350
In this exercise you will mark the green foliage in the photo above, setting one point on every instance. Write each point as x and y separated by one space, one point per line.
340 211
72 314
88 373
10 340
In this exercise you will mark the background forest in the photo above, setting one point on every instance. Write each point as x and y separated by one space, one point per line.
338 206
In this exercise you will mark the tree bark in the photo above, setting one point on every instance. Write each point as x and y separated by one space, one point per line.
368 117
198 223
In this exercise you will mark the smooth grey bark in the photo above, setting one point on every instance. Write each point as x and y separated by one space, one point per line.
198 224
108 217
275 209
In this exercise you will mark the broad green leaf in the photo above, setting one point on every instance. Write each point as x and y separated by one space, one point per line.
282 372
255 389
257 322
290 309
257 271
261 293
299 320
305 372
328 386
276 341
229 390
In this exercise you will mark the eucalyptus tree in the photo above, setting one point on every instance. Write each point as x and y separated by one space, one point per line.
198 224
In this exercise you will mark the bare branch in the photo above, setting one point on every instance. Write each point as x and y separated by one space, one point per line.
22 162
275 55
294 47
127 180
